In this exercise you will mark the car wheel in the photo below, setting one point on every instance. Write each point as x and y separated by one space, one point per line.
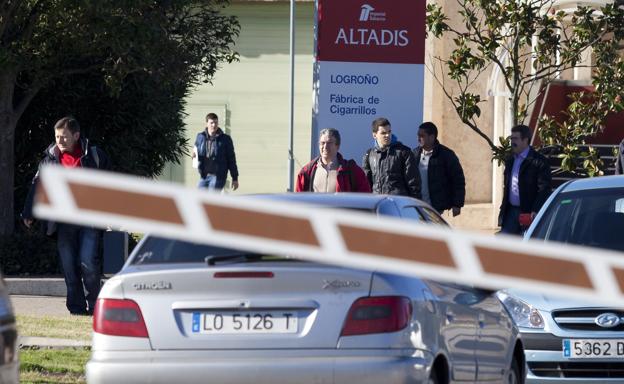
515 374
433 378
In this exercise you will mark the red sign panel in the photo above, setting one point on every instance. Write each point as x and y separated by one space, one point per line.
372 31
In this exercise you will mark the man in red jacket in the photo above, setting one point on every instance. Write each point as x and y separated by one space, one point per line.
330 172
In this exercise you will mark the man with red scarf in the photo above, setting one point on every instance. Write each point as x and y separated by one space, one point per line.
78 247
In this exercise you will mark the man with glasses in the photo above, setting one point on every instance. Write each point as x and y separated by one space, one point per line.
527 183
330 172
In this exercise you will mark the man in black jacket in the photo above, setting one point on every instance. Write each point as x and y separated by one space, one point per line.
390 167
441 175
78 246
527 183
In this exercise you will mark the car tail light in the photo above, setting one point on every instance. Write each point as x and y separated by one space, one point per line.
119 318
377 315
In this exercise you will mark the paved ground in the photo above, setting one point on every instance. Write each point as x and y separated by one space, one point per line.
39 305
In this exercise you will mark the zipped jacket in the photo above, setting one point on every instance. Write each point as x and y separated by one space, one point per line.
216 157
392 170
350 178
445 177
92 157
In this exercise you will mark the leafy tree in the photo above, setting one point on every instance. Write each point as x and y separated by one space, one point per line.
587 112
178 42
531 44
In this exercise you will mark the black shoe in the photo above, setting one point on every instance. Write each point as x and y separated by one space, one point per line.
80 313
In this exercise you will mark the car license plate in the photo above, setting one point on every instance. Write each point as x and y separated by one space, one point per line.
593 348
224 322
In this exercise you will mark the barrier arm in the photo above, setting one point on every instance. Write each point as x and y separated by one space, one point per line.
331 236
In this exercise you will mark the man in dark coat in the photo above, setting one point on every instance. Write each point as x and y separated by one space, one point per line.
390 167
215 155
78 246
441 175
527 183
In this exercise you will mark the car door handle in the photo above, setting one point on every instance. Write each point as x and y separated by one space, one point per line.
450 316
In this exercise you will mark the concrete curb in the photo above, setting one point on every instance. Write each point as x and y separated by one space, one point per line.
51 343
36 286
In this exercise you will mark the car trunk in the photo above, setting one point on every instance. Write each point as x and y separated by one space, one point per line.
246 305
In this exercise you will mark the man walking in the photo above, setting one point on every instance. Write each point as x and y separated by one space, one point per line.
215 153
390 167
330 172
441 175
78 247
527 183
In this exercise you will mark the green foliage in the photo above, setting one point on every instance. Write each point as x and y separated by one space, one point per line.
53 365
587 111
30 253
500 35
121 67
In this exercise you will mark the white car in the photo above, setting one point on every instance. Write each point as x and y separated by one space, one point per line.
195 313
568 340
9 363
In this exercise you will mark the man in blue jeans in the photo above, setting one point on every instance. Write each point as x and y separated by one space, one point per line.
78 247
215 154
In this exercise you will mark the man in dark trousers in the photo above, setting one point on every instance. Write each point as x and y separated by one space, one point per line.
441 175
215 153
527 183
390 166
78 246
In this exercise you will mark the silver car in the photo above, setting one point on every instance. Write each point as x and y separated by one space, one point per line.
568 340
184 312
9 363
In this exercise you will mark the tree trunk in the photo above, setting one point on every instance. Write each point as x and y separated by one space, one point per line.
8 122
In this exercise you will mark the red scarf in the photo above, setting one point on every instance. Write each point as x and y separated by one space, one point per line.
72 159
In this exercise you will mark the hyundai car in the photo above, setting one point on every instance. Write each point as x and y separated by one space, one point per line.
568 340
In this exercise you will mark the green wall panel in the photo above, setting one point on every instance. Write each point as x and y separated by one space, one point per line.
254 93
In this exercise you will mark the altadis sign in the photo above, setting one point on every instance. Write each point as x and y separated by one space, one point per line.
369 64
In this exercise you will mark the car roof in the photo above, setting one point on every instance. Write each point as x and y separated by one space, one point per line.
601 182
350 200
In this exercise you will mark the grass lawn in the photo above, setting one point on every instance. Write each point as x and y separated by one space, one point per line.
54 365
74 327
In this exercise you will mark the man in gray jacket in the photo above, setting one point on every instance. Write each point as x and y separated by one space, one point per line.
390 166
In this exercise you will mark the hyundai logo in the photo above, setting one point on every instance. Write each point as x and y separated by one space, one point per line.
608 320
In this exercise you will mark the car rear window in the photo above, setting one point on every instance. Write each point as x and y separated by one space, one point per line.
592 217
158 250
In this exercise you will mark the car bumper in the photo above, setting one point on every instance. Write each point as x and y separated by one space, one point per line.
543 365
266 366
9 373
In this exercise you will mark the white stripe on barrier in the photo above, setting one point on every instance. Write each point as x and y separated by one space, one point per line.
331 236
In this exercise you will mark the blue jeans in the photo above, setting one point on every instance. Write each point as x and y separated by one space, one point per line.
78 249
210 182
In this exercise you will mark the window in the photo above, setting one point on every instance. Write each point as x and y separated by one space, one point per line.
411 213
590 217
433 216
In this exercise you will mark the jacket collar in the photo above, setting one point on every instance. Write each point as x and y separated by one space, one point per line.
55 153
